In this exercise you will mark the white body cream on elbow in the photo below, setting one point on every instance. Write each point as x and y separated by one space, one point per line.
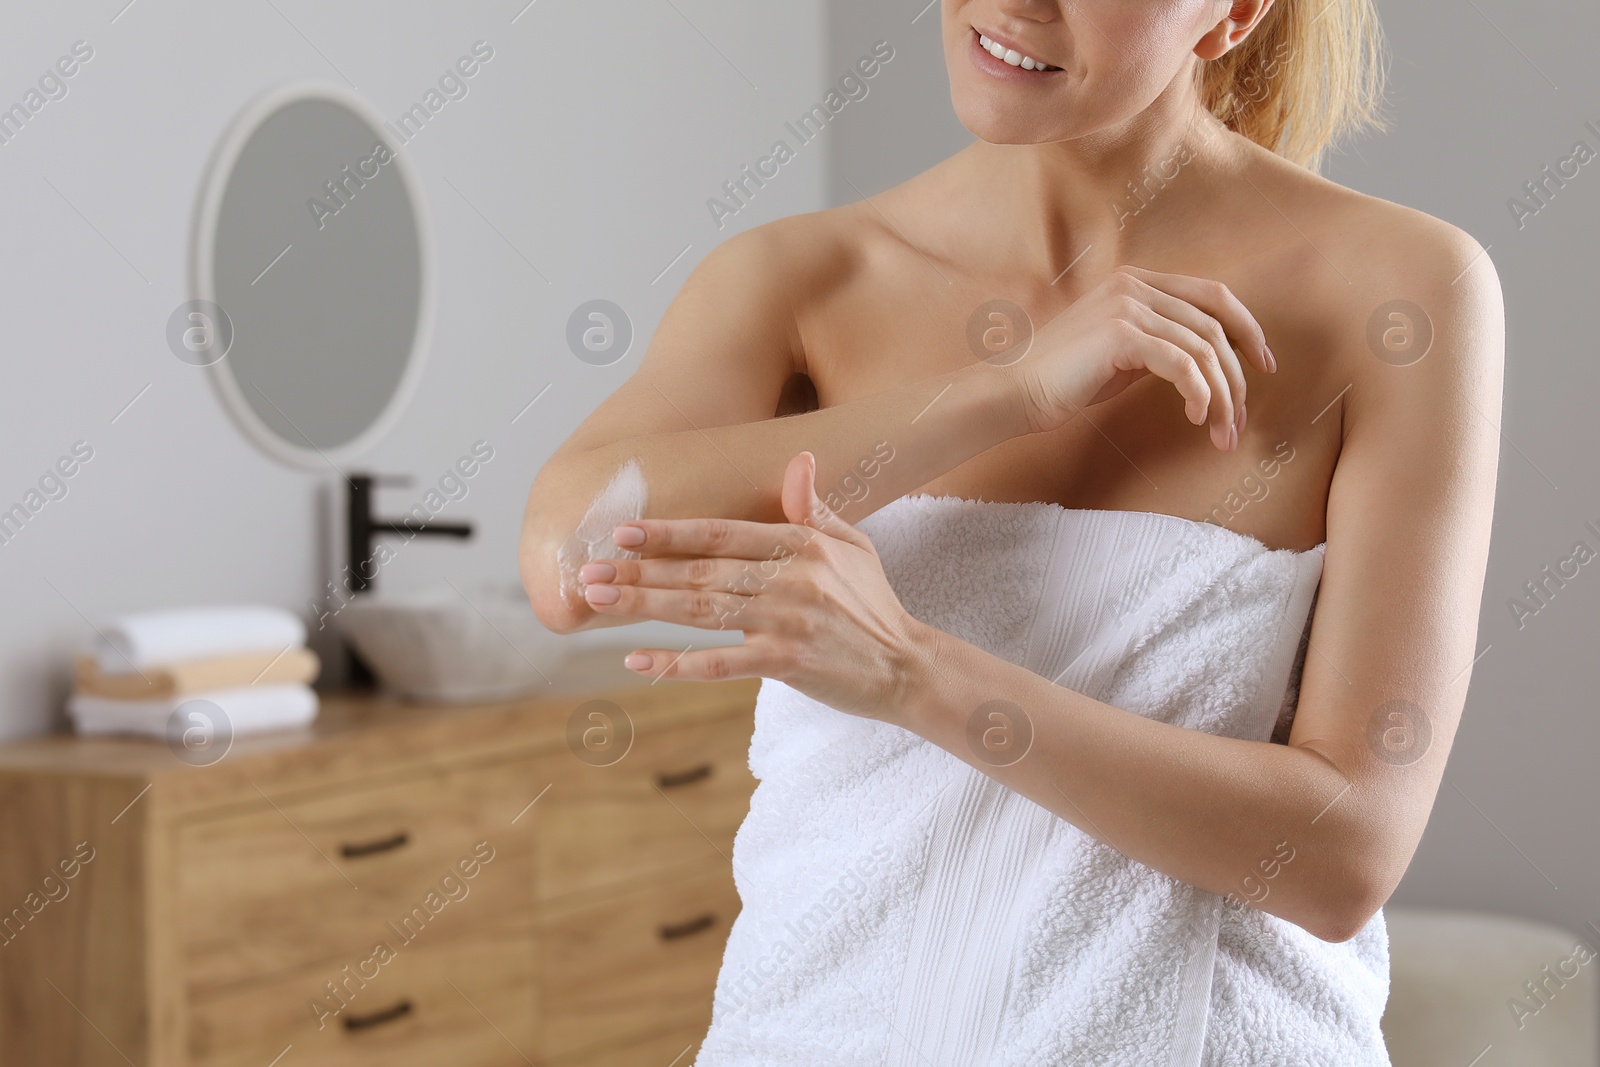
622 499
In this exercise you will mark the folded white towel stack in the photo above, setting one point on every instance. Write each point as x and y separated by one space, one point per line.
229 670
152 638
248 709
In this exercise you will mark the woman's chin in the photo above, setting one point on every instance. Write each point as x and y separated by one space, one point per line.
997 127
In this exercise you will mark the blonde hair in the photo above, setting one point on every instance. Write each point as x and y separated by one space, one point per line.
1309 75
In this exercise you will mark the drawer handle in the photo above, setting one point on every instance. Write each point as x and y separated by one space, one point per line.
367 848
378 1018
685 929
693 774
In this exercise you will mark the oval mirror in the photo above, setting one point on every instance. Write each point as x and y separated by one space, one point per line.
311 273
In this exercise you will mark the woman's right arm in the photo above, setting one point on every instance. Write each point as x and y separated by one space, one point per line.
697 418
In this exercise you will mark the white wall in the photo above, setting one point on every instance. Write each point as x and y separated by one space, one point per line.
1478 107
591 140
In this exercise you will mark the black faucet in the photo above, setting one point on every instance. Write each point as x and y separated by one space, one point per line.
361 527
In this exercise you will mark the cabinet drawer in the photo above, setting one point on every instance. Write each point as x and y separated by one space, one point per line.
469 1002
269 891
636 964
673 801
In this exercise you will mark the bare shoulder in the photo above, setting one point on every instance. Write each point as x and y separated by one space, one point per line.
744 301
730 342
800 254
789 266
1414 320
1384 250
1427 303
788 250
1414 255
1395 284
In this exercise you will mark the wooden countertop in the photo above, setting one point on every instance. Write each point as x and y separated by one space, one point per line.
362 734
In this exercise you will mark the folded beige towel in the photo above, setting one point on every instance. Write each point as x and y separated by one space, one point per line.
296 665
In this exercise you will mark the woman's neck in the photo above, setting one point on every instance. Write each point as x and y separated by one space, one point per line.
1099 201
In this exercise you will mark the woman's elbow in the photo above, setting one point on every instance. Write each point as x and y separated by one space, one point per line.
556 541
1349 908
1345 924
556 597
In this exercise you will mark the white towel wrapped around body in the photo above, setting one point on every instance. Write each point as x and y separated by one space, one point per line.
900 907
151 638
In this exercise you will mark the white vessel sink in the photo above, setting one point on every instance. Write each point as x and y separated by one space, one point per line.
480 642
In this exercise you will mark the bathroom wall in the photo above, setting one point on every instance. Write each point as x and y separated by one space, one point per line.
578 165
1481 100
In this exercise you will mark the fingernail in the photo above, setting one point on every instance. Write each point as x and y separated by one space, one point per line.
628 536
597 572
1241 416
1272 360
1233 443
638 661
602 594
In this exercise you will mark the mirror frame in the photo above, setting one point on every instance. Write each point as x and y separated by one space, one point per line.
202 265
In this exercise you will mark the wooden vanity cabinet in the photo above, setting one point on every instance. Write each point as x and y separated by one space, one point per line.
538 881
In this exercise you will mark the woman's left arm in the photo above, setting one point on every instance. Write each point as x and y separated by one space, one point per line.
1384 682
1317 831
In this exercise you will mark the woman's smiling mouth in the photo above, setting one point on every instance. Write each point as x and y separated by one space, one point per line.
1002 52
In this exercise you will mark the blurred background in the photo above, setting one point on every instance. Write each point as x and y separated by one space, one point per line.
575 165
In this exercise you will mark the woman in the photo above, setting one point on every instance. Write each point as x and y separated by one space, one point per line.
1053 768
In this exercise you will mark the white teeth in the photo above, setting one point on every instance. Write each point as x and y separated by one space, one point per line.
1011 55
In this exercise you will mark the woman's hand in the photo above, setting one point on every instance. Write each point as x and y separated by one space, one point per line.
1140 322
810 595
